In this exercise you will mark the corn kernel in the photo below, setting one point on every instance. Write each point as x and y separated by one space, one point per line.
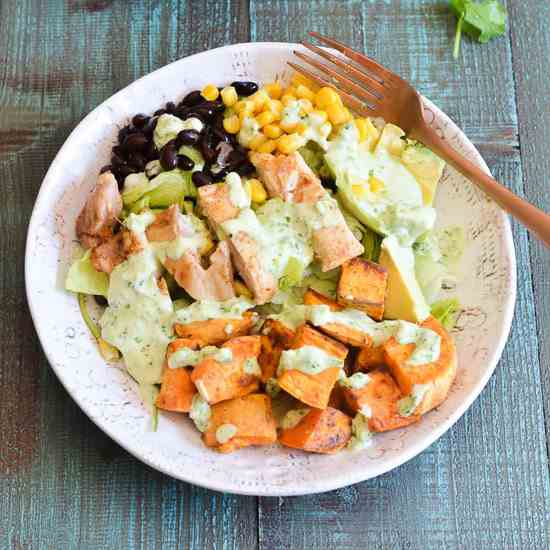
241 289
375 184
244 105
229 96
305 106
287 98
210 92
268 146
301 128
326 96
358 190
232 124
245 114
336 113
298 79
303 92
259 99
256 190
272 131
289 143
396 147
265 118
256 141
291 90
320 117
364 126
274 106
274 90
288 127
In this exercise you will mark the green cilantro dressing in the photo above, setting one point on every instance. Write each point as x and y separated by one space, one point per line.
361 436
186 357
225 432
204 310
408 404
293 417
355 381
307 359
200 412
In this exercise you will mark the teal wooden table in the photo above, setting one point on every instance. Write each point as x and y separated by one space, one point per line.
65 485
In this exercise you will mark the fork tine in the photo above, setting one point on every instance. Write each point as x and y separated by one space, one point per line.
350 86
359 107
360 58
365 78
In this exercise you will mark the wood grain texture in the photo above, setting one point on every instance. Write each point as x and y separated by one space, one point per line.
484 484
530 47
63 483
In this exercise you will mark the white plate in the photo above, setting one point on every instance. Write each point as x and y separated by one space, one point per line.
486 288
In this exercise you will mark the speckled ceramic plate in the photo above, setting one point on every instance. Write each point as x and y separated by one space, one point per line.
486 289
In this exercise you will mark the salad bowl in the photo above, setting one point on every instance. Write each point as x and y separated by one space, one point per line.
485 286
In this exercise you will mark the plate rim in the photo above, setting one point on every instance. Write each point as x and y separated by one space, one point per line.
328 485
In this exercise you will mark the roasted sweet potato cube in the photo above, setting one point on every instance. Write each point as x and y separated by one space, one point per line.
325 431
369 358
312 389
314 298
337 399
216 331
279 334
379 399
217 381
179 343
439 374
269 359
176 390
249 418
308 336
362 285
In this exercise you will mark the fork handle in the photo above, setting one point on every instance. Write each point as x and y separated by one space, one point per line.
530 216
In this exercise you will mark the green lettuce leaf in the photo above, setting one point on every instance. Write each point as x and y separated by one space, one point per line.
292 275
446 312
135 186
84 278
171 188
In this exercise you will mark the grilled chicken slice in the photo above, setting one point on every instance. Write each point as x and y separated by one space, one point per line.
106 256
288 177
212 283
215 203
97 218
167 225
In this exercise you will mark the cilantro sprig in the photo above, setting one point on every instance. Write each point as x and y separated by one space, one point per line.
480 20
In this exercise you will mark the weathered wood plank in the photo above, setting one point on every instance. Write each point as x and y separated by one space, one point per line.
414 38
530 46
63 483
484 484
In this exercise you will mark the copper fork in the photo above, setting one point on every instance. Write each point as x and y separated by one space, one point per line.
370 89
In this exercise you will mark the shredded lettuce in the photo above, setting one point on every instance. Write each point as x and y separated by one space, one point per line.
292 275
371 243
194 155
446 312
135 186
170 188
84 278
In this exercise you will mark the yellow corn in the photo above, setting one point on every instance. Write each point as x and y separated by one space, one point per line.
229 96
375 184
245 114
274 106
274 90
326 96
259 99
272 131
301 128
289 143
290 90
358 190
318 116
303 92
210 92
396 147
265 118
305 106
256 141
256 190
244 105
241 289
287 98
288 127
336 113
232 124
267 146
366 129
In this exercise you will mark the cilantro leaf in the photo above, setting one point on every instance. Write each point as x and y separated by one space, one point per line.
480 20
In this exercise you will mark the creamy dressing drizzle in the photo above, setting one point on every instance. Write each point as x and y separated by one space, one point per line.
427 341
200 412
307 359
186 357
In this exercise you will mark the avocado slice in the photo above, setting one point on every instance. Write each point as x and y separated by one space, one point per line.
425 166
404 298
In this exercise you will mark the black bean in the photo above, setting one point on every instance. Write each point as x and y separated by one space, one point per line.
117 150
200 179
137 161
117 161
187 137
246 168
220 174
124 132
119 179
221 135
100 300
245 88
170 107
185 163
106 168
159 112
168 156
208 152
126 170
204 113
151 151
329 183
135 142
236 158
140 120
192 98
